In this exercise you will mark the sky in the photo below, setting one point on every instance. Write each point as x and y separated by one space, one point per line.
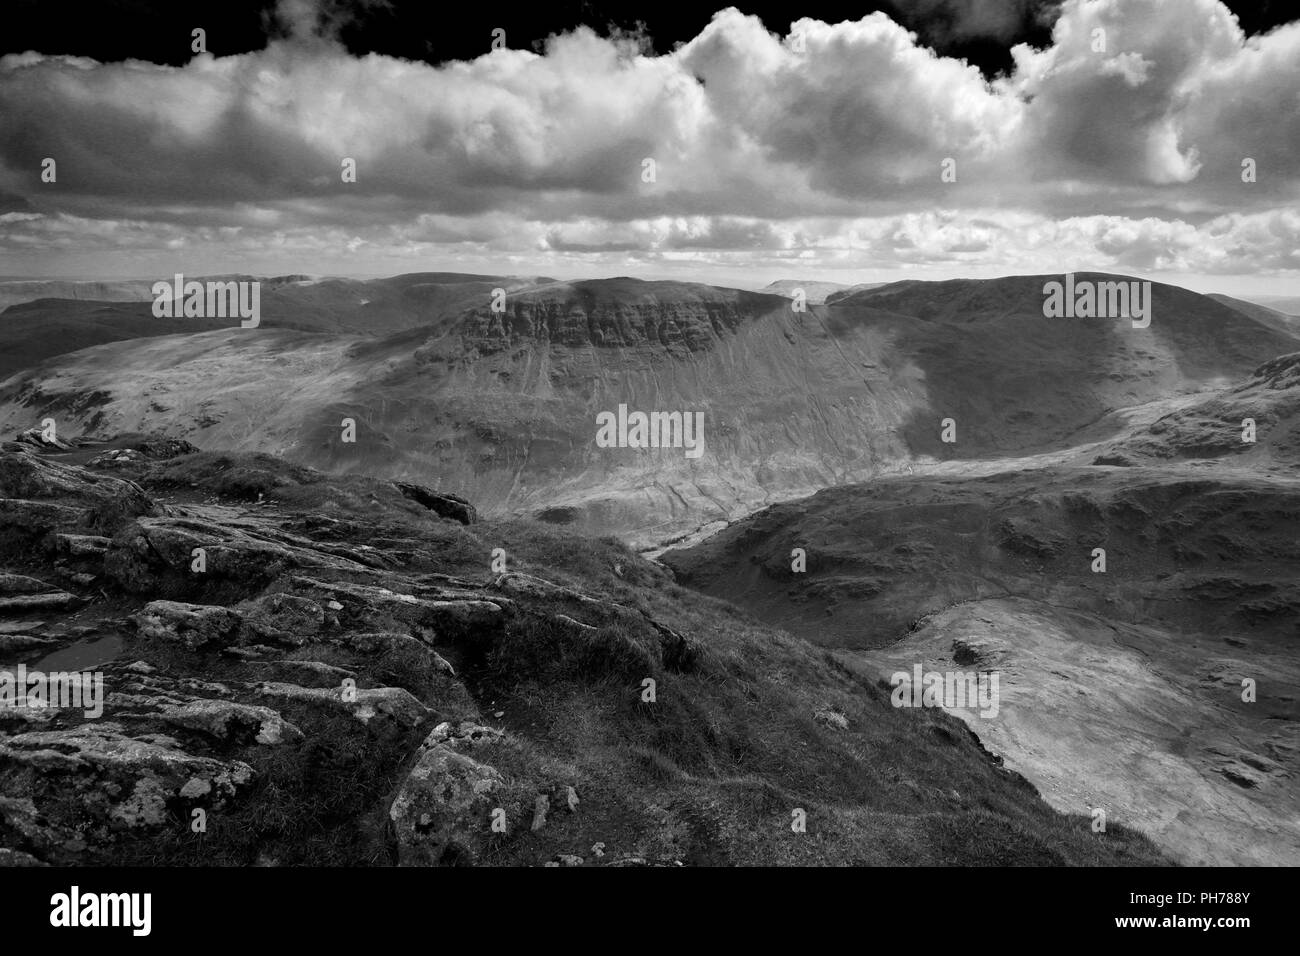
929 140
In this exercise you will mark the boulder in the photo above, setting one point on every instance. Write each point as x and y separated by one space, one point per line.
231 722
831 718
116 458
36 438
155 554
81 545
158 448
196 626
442 813
440 502
145 450
282 619
466 735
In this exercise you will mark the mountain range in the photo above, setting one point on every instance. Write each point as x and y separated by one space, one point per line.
946 459
501 406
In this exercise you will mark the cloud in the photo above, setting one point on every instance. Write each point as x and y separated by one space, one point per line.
830 142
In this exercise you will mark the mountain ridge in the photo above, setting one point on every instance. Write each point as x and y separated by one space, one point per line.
498 401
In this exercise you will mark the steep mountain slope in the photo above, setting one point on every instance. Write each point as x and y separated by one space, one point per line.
502 407
1121 688
1274 319
1015 381
508 404
347 680
1215 427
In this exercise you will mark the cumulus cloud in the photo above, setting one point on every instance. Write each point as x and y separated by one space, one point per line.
1123 140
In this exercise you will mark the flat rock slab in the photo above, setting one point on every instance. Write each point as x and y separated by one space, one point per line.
227 720
26 603
371 706
22 584
20 643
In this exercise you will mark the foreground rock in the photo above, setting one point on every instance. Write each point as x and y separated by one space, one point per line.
39 497
340 678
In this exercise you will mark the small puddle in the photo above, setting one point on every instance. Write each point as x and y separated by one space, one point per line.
84 654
